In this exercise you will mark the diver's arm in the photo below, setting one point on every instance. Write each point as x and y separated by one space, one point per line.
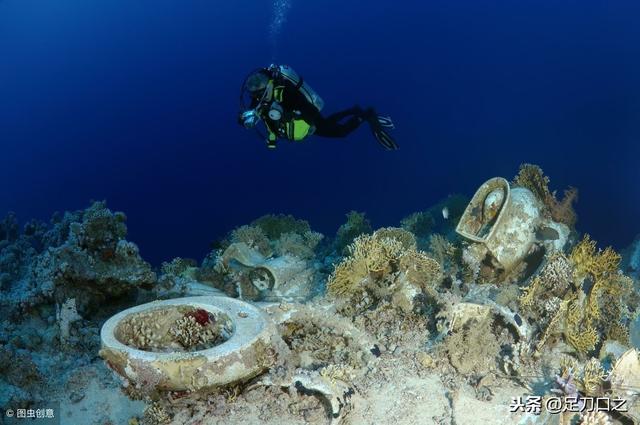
272 136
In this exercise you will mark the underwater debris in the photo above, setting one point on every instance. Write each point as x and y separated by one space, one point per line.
181 277
272 259
503 219
66 314
335 393
532 177
242 352
508 220
280 278
318 339
625 382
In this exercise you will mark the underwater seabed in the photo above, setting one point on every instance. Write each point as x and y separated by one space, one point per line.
487 310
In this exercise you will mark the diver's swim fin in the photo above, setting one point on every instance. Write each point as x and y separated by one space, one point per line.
386 122
379 125
383 137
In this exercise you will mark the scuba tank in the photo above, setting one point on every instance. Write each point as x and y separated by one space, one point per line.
286 72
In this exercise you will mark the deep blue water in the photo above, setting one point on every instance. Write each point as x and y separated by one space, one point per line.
135 102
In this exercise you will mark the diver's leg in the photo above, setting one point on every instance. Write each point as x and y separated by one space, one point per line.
355 111
330 127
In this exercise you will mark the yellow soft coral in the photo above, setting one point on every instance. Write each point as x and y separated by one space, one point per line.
419 268
588 260
367 255
346 277
553 324
406 238
554 279
579 330
593 376
383 266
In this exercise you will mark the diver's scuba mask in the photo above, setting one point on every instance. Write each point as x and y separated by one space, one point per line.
249 118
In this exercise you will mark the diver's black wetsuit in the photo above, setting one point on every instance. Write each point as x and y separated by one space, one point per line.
331 126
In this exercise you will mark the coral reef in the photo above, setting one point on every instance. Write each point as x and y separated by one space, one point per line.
583 296
421 224
473 349
253 237
532 177
380 267
595 418
191 334
184 329
631 260
274 226
156 414
415 312
56 279
273 257
298 245
277 234
357 224
317 346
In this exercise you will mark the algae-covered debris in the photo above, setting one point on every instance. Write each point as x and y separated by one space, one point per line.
267 259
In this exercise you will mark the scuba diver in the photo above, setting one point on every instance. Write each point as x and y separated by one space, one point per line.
290 109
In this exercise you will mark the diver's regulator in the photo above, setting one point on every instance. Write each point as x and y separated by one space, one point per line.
250 118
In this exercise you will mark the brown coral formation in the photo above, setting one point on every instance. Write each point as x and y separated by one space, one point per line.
532 177
181 329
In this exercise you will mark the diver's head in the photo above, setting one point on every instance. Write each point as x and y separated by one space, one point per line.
256 83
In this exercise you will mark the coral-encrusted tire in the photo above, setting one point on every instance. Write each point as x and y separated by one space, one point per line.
246 353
